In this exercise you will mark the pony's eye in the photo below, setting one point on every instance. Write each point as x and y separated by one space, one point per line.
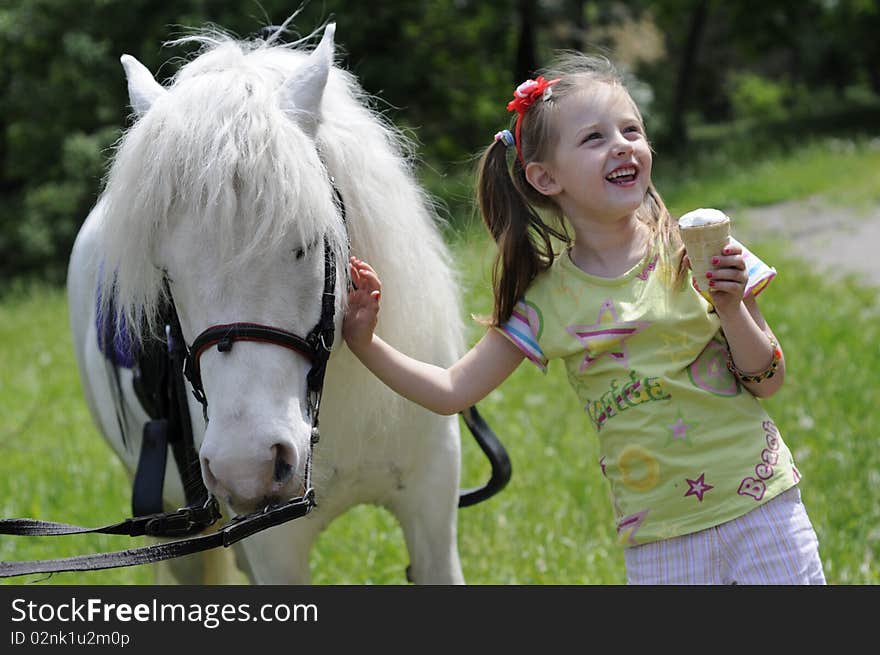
302 251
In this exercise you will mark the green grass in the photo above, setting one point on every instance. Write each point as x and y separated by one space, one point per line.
553 523
828 411
53 464
844 171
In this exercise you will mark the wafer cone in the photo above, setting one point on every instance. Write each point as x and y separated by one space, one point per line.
703 242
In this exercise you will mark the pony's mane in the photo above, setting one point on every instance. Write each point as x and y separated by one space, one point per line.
218 150
394 222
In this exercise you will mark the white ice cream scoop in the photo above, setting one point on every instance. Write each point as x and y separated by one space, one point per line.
702 216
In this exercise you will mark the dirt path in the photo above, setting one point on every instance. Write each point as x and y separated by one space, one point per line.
839 239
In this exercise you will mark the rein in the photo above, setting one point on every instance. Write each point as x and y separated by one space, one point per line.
160 525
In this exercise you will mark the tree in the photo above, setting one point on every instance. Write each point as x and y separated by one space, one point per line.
441 71
526 56
687 59
436 67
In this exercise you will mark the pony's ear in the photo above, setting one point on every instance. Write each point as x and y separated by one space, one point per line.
302 92
143 89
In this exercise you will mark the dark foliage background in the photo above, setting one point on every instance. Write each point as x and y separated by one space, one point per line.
442 69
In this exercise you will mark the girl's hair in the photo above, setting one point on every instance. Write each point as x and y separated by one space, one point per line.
524 222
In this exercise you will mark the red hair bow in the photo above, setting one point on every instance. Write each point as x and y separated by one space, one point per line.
523 98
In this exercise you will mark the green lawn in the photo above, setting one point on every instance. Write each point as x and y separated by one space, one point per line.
553 523
845 171
53 464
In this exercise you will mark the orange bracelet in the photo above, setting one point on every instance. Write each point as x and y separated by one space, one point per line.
763 375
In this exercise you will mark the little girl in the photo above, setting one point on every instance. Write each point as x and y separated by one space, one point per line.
703 486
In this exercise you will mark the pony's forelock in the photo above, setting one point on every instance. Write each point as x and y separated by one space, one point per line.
218 150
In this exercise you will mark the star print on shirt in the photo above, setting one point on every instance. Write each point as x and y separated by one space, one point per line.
698 487
606 336
676 346
680 432
679 429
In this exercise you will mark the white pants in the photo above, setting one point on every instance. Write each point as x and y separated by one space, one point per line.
774 544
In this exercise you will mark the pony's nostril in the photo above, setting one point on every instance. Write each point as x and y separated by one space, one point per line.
212 484
283 467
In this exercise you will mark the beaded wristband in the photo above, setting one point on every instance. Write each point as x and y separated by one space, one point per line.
761 376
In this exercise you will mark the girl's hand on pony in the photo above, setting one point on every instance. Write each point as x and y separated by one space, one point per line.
363 305
727 281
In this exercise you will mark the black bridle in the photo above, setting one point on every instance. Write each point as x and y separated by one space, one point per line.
316 346
202 509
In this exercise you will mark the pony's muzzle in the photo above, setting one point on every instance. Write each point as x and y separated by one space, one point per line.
246 484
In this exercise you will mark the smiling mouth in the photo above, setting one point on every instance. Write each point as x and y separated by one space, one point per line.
623 175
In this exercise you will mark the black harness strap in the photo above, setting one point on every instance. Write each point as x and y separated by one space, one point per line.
494 451
149 478
169 422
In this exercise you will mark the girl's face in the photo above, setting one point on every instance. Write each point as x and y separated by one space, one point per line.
601 165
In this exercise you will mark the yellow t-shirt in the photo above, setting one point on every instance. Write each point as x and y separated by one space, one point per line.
683 445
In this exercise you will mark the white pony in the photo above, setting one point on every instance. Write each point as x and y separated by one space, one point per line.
225 184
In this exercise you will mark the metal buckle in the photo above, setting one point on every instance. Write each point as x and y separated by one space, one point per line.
243 526
314 401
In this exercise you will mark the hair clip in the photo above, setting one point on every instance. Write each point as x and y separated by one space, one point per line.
523 98
529 91
506 137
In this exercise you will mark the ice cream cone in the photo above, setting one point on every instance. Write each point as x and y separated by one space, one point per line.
704 232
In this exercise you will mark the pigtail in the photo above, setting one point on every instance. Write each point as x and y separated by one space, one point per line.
523 238
495 201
